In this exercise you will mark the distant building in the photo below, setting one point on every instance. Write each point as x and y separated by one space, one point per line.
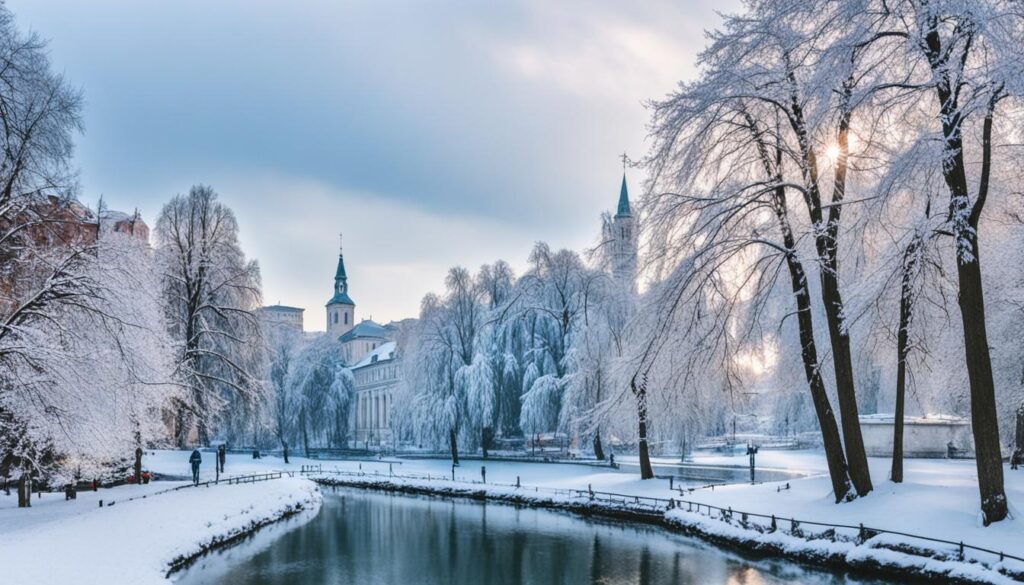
341 309
929 436
69 222
371 350
376 377
362 339
622 238
283 316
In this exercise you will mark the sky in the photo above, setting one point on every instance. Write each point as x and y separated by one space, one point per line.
430 133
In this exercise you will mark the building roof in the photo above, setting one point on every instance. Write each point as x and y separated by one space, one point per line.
340 272
283 308
385 352
365 328
623 210
341 298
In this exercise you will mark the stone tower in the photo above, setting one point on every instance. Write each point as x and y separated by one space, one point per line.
623 241
341 310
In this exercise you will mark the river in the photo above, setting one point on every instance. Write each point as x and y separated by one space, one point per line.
374 538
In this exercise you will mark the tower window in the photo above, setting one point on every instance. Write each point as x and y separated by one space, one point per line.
335 315
346 317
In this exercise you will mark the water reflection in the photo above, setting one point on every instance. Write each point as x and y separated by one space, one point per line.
373 538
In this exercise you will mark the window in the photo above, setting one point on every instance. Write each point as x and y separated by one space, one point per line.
335 315
346 318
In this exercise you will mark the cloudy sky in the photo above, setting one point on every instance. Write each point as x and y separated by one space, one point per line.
432 133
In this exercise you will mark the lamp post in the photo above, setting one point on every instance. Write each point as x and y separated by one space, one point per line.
752 451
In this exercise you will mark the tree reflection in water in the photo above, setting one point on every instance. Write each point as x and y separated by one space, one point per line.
364 537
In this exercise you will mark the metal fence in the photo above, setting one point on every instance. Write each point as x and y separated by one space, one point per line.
233 480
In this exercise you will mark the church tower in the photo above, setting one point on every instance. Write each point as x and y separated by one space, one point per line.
623 241
341 310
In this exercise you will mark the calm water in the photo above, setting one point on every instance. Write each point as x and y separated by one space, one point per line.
373 538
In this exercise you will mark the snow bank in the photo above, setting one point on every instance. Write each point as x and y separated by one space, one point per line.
139 541
882 554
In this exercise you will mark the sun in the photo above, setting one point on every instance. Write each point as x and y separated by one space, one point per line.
832 151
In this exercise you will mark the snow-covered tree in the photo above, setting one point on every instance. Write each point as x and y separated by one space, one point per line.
283 347
211 293
558 293
82 349
320 390
448 338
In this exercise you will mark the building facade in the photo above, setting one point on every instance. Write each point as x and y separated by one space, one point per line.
376 378
282 316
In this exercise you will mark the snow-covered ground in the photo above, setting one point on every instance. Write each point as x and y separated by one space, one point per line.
58 541
938 499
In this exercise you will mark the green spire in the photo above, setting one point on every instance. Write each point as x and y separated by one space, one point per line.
340 282
623 210
340 273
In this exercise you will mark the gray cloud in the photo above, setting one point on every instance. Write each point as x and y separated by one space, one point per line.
433 133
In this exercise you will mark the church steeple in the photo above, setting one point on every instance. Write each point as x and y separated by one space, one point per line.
339 274
624 238
623 210
341 307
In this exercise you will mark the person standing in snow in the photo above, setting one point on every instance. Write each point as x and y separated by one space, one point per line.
222 456
195 460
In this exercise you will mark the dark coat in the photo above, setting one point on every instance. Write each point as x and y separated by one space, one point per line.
196 458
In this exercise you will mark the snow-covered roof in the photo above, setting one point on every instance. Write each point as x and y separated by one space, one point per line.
365 328
283 308
928 419
383 353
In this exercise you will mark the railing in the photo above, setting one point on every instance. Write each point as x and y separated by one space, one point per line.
652 504
233 480
253 478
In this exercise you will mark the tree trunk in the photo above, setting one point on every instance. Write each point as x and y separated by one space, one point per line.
902 349
964 217
856 455
1020 428
200 414
984 419
646 471
485 440
896 474
305 432
826 238
454 446
25 490
181 425
138 466
834 456
598 449
285 446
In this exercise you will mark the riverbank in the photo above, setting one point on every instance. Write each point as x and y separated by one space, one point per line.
847 550
938 500
140 540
